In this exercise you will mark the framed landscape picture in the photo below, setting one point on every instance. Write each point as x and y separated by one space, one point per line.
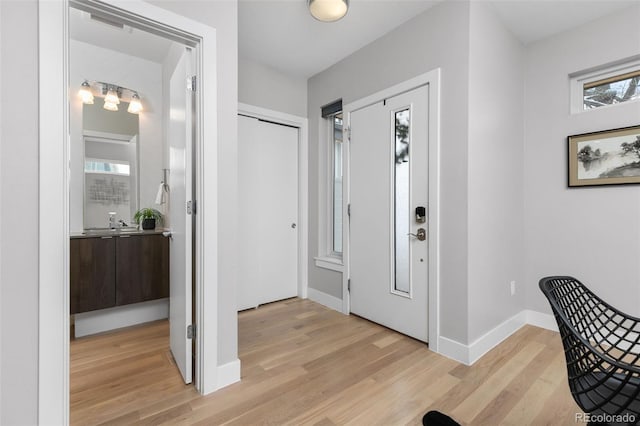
611 157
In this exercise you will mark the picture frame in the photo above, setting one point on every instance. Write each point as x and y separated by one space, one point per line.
609 157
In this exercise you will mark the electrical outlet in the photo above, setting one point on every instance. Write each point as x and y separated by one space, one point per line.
513 287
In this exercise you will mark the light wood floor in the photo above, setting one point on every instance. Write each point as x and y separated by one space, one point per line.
305 364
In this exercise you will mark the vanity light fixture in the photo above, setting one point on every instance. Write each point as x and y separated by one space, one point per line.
135 106
111 96
328 10
85 93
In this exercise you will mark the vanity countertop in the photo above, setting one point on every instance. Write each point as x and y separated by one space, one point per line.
115 233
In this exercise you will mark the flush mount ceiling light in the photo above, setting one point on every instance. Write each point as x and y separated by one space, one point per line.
328 10
85 93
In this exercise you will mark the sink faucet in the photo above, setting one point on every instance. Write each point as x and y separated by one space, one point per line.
122 223
112 220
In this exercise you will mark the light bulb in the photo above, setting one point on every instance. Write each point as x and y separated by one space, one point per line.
135 106
111 97
85 93
110 106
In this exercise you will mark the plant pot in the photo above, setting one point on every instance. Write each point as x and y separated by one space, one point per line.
148 224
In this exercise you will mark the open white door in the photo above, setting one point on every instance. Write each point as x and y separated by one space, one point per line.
388 190
180 194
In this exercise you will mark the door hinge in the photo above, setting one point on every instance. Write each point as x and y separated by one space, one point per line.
191 331
349 209
349 284
348 131
192 83
191 207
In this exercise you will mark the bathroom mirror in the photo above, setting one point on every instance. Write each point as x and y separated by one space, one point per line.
111 167
117 151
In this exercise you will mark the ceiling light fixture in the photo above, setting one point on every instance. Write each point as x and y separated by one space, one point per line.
85 93
135 106
328 10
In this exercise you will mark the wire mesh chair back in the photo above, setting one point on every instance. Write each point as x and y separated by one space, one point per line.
602 349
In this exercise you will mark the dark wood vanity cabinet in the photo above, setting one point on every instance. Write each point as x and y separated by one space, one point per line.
142 268
92 272
119 270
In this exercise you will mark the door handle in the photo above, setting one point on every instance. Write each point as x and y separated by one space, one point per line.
421 235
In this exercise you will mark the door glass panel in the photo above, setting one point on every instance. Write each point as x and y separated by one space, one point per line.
401 201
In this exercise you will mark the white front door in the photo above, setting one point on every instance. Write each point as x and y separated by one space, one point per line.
268 212
180 192
388 190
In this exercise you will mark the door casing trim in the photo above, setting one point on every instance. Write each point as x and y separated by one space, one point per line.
432 79
53 226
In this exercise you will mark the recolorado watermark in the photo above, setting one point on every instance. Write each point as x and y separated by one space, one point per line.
626 418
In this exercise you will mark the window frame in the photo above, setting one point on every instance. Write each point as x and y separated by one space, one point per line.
327 257
580 79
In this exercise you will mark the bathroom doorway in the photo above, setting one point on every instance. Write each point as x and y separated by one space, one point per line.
131 179
54 234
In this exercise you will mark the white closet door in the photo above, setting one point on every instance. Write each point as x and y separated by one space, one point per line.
268 218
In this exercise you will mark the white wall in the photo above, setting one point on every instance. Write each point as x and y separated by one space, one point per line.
223 16
412 49
19 212
590 233
263 86
496 201
99 64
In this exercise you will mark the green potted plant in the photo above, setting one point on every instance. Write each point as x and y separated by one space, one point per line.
148 218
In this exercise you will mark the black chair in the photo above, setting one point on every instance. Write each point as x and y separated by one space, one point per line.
602 350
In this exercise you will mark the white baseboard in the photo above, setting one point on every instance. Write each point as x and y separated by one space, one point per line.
468 354
228 373
541 320
88 323
454 350
325 299
494 337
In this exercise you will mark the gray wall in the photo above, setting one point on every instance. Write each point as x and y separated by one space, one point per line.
591 233
382 64
263 86
19 212
496 200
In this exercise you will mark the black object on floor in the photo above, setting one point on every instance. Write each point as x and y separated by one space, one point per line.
436 418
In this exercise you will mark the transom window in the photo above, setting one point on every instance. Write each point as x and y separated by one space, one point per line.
605 86
612 90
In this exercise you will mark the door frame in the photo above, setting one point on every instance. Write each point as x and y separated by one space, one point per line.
302 124
53 232
432 79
